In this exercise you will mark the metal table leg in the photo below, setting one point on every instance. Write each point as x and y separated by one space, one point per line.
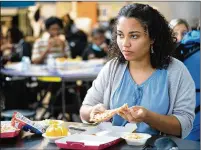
63 99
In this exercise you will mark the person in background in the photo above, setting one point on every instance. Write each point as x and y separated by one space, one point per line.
109 30
158 88
15 47
13 50
69 26
53 45
3 41
189 53
76 38
98 48
180 27
198 26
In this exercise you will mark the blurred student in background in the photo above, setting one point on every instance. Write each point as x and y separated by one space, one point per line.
180 28
15 47
69 25
53 45
109 31
76 38
198 27
98 48
4 44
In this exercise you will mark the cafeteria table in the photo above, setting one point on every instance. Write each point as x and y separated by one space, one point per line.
30 141
85 70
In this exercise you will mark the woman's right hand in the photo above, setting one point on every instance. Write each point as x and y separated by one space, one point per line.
134 114
99 108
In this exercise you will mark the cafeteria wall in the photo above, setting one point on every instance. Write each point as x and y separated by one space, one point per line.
180 9
106 10
188 10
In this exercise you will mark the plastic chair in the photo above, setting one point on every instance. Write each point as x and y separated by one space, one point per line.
7 114
193 65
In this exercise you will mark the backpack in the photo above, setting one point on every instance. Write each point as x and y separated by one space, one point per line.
189 53
77 41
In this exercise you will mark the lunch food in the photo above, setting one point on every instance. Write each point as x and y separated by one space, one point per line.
136 139
61 59
48 122
103 116
7 128
20 122
56 130
107 114
133 136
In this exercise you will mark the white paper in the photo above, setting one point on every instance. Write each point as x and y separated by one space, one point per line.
106 128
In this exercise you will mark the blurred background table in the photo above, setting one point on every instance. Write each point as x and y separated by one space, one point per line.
85 71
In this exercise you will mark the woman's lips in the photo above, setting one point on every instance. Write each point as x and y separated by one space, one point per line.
127 52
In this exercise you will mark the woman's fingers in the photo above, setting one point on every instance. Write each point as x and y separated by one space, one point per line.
135 116
126 115
99 108
131 115
122 115
108 118
138 113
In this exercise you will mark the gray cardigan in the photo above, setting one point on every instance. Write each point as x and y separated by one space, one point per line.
181 90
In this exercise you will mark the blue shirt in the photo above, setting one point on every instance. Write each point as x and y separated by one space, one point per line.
152 94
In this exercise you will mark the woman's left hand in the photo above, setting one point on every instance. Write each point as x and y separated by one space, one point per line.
134 114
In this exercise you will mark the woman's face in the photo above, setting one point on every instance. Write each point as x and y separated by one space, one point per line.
179 31
132 40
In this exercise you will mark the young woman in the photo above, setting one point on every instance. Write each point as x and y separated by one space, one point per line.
158 89
180 28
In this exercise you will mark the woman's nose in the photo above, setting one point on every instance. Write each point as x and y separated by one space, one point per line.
126 42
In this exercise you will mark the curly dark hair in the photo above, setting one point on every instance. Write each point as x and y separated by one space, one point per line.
97 31
53 20
156 25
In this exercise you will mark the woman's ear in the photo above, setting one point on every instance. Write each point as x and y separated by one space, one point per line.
152 42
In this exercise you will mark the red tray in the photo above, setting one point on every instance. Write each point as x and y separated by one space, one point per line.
9 134
72 142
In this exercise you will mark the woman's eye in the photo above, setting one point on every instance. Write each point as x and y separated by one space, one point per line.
120 35
134 36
